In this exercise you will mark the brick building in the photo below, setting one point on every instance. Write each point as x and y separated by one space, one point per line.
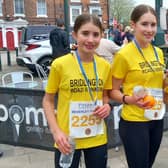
15 14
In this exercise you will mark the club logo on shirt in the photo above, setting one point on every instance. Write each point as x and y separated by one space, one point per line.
151 66
79 85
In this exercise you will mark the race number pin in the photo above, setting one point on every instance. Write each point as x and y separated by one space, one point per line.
88 131
155 114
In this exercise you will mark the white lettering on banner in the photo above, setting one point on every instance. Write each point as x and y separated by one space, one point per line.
4 114
30 115
5 111
34 129
36 112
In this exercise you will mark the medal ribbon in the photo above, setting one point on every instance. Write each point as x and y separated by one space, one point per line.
155 52
86 78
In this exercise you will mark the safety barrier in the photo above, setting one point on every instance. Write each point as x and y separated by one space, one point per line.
23 123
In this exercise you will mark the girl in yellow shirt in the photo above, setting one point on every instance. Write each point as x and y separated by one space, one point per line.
82 81
138 68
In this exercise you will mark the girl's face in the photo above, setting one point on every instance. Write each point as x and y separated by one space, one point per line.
145 29
88 37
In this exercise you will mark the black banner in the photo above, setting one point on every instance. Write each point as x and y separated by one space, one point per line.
23 123
22 120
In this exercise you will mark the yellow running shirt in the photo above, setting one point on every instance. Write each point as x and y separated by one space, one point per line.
131 66
66 79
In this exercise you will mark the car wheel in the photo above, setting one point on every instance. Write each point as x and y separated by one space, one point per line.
45 63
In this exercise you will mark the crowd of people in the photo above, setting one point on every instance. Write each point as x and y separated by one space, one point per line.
122 68
120 34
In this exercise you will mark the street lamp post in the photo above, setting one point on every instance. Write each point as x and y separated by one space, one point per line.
159 38
66 15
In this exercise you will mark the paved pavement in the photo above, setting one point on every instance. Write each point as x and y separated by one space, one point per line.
21 157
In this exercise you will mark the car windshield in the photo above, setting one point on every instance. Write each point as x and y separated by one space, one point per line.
40 37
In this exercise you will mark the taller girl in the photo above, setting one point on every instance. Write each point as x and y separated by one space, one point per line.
138 69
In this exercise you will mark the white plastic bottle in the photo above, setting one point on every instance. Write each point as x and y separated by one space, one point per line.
66 160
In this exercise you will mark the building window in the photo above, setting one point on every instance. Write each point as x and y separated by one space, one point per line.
94 1
0 7
95 10
19 7
74 12
41 8
75 0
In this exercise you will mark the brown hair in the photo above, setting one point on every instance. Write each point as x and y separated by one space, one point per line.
141 10
85 18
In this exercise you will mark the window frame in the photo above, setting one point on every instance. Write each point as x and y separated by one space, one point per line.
21 3
1 11
75 0
91 8
78 7
94 1
45 8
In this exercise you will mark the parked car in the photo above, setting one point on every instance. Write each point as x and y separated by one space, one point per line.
37 37
35 52
36 48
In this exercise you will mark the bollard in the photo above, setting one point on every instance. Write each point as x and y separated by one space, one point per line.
8 58
16 51
0 63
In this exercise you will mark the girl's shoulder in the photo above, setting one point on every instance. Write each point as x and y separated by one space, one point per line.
158 49
63 58
127 48
101 60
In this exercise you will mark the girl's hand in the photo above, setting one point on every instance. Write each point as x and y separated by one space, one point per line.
62 141
138 101
102 111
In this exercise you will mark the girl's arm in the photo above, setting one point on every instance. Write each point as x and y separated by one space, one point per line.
117 95
60 138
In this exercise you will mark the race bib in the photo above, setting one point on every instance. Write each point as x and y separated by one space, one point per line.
157 112
82 122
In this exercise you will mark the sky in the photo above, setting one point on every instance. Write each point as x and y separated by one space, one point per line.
151 2
162 12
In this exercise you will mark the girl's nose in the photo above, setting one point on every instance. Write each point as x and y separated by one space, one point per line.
90 38
150 28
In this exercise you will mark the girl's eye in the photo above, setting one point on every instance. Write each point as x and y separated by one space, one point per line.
96 34
153 24
85 33
144 23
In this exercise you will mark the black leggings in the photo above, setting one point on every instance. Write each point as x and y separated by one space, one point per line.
94 157
141 141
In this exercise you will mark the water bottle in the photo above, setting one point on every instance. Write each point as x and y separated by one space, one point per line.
66 159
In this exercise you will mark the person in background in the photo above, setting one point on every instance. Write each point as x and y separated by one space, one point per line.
107 49
117 34
1 154
110 33
128 34
59 40
166 37
82 81
135 69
